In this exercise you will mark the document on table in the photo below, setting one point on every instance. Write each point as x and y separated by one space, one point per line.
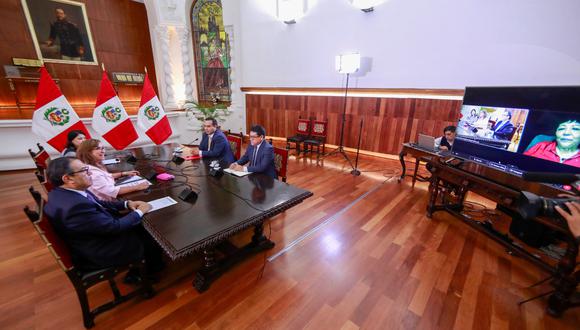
161 203
236 173
132 181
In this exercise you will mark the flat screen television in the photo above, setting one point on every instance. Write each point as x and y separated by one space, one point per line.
521 129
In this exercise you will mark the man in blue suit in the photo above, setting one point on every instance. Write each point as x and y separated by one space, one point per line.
504 129
214 143
259 155
95 231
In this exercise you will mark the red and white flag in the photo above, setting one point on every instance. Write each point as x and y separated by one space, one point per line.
152 118
54 117
110 118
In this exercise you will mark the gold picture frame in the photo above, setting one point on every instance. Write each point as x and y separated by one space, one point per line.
62 26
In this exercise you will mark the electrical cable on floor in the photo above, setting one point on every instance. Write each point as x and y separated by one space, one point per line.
261 273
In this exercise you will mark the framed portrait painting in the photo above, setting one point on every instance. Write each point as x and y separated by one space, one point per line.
60 31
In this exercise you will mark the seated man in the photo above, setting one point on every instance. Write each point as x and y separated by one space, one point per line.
504 129
214 143
97 235
259 154
445 142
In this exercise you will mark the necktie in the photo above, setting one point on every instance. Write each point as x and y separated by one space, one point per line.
253 162
209 143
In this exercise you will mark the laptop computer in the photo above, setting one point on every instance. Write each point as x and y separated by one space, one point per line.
427 142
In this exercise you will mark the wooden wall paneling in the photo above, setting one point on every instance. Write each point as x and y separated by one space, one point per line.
388 122
121 38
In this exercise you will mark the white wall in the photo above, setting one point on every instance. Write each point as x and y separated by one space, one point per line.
18 134
416 43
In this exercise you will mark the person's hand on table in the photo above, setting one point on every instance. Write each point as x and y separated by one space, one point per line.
144 207
129 173
133 205
443 148
194 152
236 167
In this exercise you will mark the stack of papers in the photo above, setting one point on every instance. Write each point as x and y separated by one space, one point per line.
237 173
132 181
161 203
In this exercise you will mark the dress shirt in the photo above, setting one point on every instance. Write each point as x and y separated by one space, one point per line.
84 194
254 155
209 137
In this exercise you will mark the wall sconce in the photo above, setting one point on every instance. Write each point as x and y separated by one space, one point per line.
288 11
366 5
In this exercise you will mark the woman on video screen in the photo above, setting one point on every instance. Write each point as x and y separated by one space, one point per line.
564 149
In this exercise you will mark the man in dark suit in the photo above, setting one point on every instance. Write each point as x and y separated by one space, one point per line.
259 155
214 143
95 231
504 129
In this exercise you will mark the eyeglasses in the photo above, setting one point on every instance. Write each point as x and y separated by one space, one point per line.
99 148
84 169
254 136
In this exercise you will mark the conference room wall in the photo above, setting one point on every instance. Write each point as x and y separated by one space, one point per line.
18 138
415 44
121 39
387 122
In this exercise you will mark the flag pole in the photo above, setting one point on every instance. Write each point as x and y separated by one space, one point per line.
145 69
103 66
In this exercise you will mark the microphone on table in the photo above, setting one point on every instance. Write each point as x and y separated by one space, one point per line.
190 144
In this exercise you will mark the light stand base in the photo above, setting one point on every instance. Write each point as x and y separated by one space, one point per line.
340 150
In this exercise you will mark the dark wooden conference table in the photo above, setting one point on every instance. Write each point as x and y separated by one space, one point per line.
225 206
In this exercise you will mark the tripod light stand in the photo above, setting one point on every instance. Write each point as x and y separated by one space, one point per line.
347 63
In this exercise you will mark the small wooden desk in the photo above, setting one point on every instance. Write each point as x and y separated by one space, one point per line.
505 188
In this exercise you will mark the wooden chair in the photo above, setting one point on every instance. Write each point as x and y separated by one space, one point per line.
82 281
317 137
303 131
40 158
235 144
281 162
40 175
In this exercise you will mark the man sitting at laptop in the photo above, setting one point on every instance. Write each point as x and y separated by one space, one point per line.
445 142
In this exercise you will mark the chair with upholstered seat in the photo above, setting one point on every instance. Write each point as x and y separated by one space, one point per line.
317 137
40 158
82 281
235 141
303 131
281 162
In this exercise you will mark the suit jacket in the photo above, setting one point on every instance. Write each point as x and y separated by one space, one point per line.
264 160
503 130
220 147
96 234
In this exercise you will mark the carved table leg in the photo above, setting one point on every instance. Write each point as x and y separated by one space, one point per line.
203 277
259 240
433 192
404 168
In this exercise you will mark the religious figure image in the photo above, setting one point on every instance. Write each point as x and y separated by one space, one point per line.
212 49
60 30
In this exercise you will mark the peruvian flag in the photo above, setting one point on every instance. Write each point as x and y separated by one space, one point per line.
110 118
54 117
152 119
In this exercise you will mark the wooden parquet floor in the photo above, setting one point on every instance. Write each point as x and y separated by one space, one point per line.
359 254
